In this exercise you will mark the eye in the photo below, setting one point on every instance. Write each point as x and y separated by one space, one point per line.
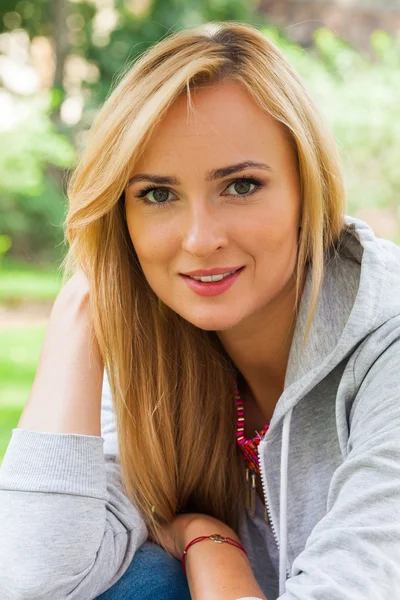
244 186
160 195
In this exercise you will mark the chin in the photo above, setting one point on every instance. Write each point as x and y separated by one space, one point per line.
210 322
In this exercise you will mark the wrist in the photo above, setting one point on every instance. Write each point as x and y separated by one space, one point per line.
203 525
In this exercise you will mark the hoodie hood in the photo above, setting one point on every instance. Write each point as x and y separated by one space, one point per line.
360 292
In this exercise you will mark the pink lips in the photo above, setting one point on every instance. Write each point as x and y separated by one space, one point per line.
213 288
214 271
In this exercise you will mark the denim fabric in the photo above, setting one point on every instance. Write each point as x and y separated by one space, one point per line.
152 574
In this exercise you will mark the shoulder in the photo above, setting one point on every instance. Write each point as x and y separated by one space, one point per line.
380 348
376 377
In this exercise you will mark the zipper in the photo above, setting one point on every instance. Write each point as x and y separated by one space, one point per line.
265 490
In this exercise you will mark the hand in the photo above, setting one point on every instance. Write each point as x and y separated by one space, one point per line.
186 527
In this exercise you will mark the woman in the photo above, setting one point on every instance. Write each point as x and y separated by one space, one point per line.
249 333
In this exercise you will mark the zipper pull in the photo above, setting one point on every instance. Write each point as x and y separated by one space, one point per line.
247 488
253 495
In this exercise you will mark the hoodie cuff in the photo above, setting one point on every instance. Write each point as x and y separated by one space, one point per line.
61 463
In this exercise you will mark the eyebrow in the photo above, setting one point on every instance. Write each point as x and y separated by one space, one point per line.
211 175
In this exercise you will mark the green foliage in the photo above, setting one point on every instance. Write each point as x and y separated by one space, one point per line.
133 33
32 205
359 96
5 245
25 148
33 16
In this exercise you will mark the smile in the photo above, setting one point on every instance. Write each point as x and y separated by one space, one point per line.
212 285
209 278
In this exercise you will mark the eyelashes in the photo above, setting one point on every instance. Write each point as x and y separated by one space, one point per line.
151 188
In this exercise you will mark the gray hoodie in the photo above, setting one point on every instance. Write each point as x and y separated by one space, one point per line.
330 464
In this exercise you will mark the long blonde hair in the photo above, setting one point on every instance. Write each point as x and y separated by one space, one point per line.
172 383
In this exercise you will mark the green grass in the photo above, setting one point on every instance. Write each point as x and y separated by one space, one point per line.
20 282
20 346
19 356
9 417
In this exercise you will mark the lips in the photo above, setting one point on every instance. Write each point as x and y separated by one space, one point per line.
208 277
214 271
212 288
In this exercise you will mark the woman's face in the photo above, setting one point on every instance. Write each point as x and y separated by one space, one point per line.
200 205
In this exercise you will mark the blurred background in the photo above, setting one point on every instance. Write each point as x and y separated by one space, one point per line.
58 61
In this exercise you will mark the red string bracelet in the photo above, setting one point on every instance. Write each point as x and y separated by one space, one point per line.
215 537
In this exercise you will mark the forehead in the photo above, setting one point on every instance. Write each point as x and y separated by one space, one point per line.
225 125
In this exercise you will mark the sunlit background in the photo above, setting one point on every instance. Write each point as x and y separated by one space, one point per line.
58 61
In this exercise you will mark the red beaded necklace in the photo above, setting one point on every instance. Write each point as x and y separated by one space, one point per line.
249 448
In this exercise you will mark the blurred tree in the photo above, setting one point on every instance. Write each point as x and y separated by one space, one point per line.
111 34
138 25
105 37
94 42
32 205
360 97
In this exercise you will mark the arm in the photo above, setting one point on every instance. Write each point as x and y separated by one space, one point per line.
70 369
67 529
354 551
216 571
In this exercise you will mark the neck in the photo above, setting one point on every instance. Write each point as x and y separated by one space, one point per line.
260 347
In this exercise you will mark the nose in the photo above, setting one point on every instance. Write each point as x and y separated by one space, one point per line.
204 230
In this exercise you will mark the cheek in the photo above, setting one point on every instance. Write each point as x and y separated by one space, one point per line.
154 243
275 248
274 233
283 223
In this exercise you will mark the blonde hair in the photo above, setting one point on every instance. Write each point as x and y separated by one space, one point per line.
172 383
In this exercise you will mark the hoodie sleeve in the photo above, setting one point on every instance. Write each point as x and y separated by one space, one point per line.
354 551
67 529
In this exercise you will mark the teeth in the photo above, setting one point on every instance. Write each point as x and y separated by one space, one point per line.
210 278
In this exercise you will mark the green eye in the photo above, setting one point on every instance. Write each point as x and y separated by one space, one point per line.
242 187
160 195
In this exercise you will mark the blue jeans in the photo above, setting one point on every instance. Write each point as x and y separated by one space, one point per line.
153 573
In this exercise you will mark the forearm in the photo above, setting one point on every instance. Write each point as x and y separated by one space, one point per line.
66 393
217 571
